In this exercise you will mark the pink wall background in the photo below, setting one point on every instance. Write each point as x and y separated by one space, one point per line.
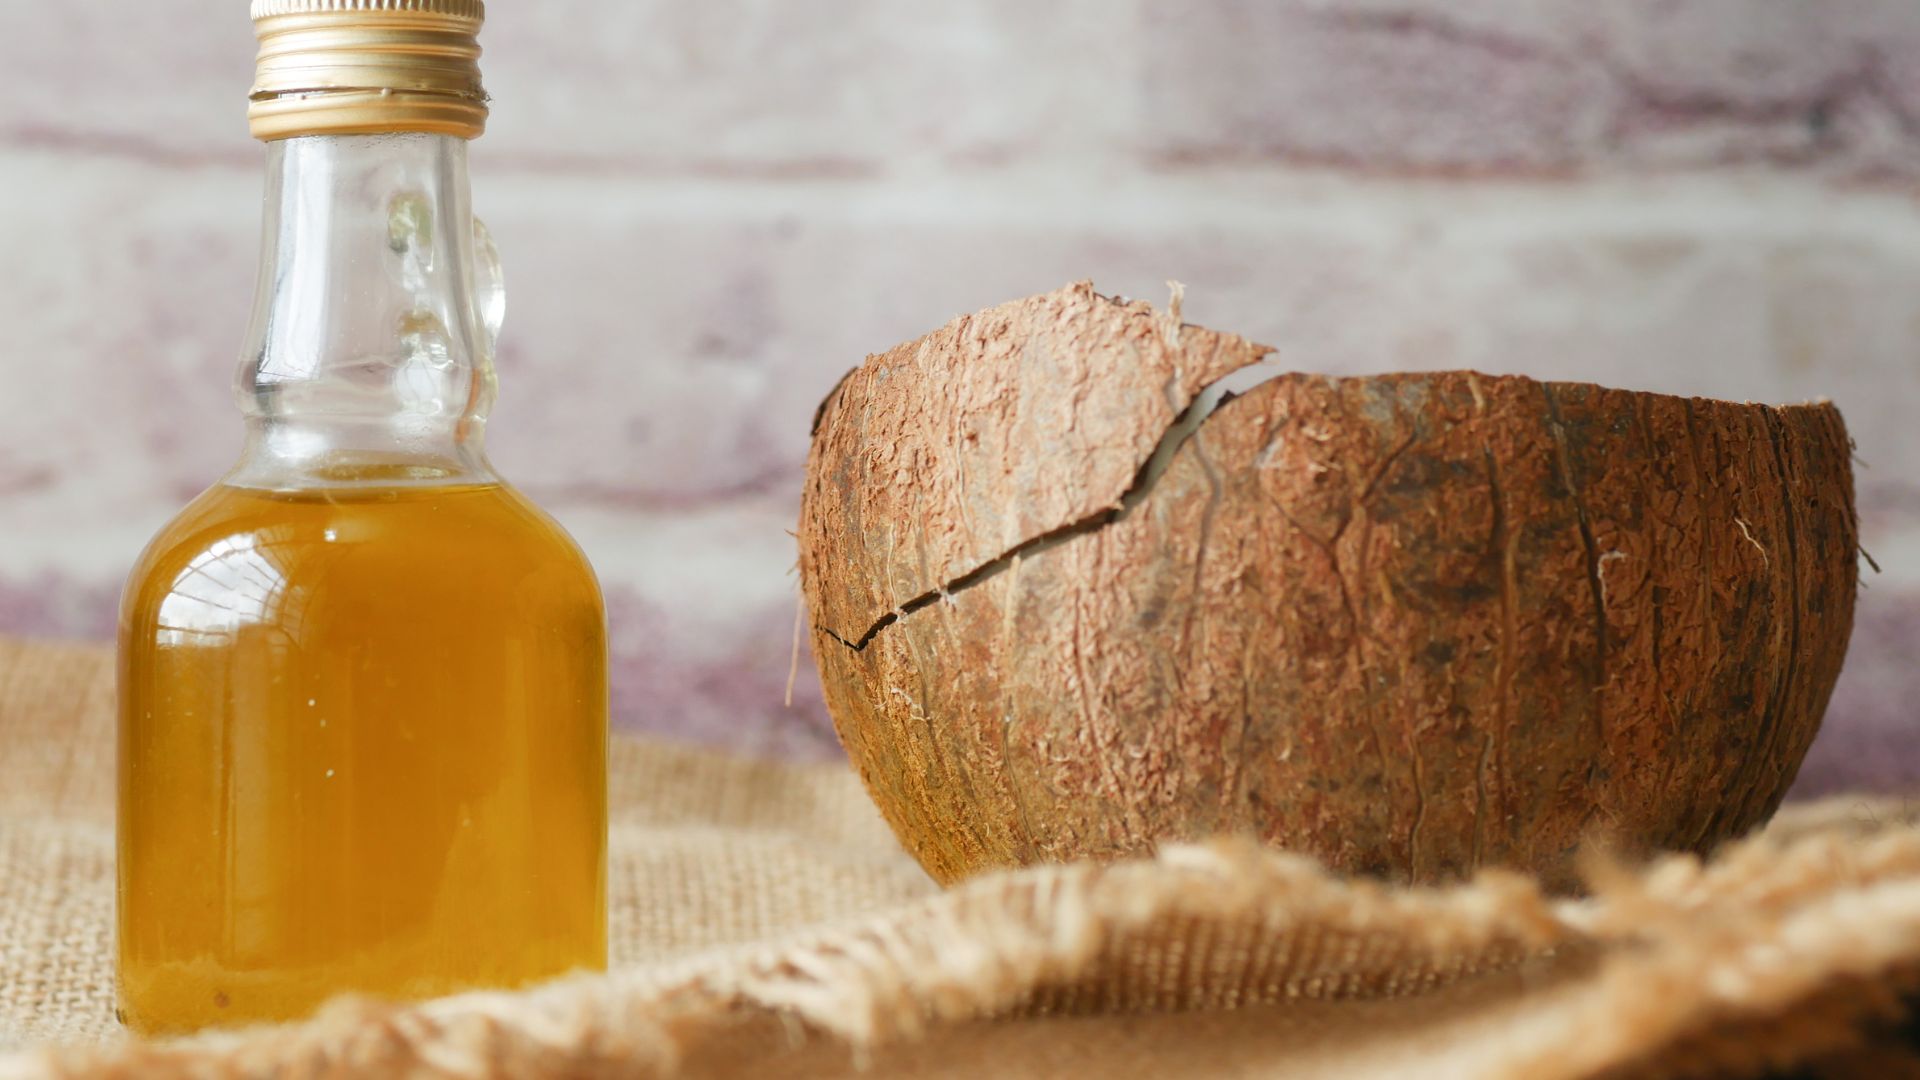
709 211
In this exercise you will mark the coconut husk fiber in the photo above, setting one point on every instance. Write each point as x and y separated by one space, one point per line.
765 922
1076 592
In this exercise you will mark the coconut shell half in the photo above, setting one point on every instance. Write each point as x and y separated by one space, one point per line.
1067 605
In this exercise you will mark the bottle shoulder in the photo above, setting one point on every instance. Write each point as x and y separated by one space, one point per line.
391 546
553 538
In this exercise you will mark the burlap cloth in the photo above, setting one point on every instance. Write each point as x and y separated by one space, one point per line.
765 923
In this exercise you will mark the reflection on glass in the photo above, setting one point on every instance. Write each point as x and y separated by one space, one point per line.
232 584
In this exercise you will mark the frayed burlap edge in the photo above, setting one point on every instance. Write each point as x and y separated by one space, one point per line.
1786 948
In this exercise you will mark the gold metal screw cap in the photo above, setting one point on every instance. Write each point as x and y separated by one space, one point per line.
341 67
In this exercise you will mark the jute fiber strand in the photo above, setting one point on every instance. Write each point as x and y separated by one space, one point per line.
765 923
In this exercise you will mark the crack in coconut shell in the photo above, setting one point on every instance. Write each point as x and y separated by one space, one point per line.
1098 383
1184 427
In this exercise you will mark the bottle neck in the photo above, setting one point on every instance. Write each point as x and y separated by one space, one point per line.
368 359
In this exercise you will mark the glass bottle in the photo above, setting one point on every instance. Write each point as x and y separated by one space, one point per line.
362 680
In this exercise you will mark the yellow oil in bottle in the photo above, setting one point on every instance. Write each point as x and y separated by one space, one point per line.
362 747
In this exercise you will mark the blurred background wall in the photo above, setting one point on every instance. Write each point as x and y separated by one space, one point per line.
709 210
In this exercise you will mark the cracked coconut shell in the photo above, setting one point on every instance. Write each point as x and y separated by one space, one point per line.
1068 603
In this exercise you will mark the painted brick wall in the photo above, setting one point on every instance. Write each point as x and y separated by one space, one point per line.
709 211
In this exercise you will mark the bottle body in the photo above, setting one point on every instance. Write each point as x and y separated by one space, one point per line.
363 694
362 747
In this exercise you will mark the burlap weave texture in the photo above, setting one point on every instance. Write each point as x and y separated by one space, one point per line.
765 923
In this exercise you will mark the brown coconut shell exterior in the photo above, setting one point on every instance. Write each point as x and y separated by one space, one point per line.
1409 624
